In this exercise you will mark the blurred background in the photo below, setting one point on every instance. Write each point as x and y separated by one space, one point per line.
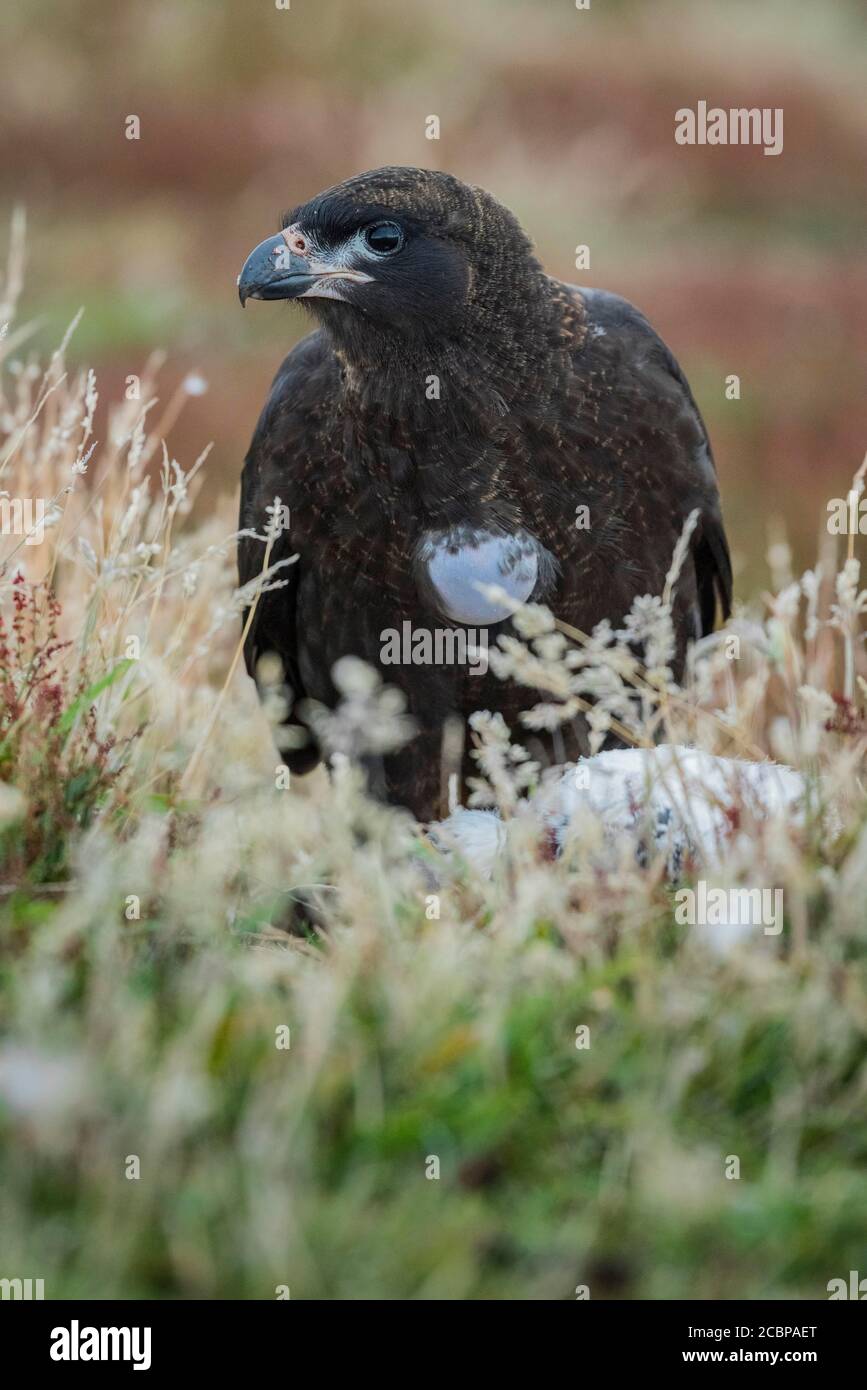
745 264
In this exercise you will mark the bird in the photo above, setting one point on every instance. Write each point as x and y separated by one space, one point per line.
691 811
682 803
451 417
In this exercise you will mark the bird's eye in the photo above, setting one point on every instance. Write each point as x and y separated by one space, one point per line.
384 238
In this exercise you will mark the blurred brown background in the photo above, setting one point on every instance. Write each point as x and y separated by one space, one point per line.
746 264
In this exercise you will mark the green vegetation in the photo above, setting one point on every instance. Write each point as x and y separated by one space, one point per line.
168 911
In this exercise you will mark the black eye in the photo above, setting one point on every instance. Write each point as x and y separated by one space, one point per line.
384 238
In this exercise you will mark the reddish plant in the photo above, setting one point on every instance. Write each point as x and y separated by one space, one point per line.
49 749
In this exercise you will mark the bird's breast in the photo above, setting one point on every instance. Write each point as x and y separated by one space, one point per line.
456 567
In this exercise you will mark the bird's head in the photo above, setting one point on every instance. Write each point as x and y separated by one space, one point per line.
399 258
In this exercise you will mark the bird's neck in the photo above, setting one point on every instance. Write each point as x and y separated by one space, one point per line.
451 432
507 364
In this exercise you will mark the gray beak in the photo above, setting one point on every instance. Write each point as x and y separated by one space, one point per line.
272 271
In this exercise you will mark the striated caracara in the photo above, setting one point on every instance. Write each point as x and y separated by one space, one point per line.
440 429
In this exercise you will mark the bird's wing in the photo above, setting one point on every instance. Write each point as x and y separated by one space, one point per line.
619 343
282 451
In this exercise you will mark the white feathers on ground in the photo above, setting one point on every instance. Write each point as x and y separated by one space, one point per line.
686 802
691 807
477 836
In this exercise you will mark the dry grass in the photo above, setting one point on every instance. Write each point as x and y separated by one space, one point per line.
167 908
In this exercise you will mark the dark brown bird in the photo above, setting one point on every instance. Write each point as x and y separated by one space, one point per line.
441 427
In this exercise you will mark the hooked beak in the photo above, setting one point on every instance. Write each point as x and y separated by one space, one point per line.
273 271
